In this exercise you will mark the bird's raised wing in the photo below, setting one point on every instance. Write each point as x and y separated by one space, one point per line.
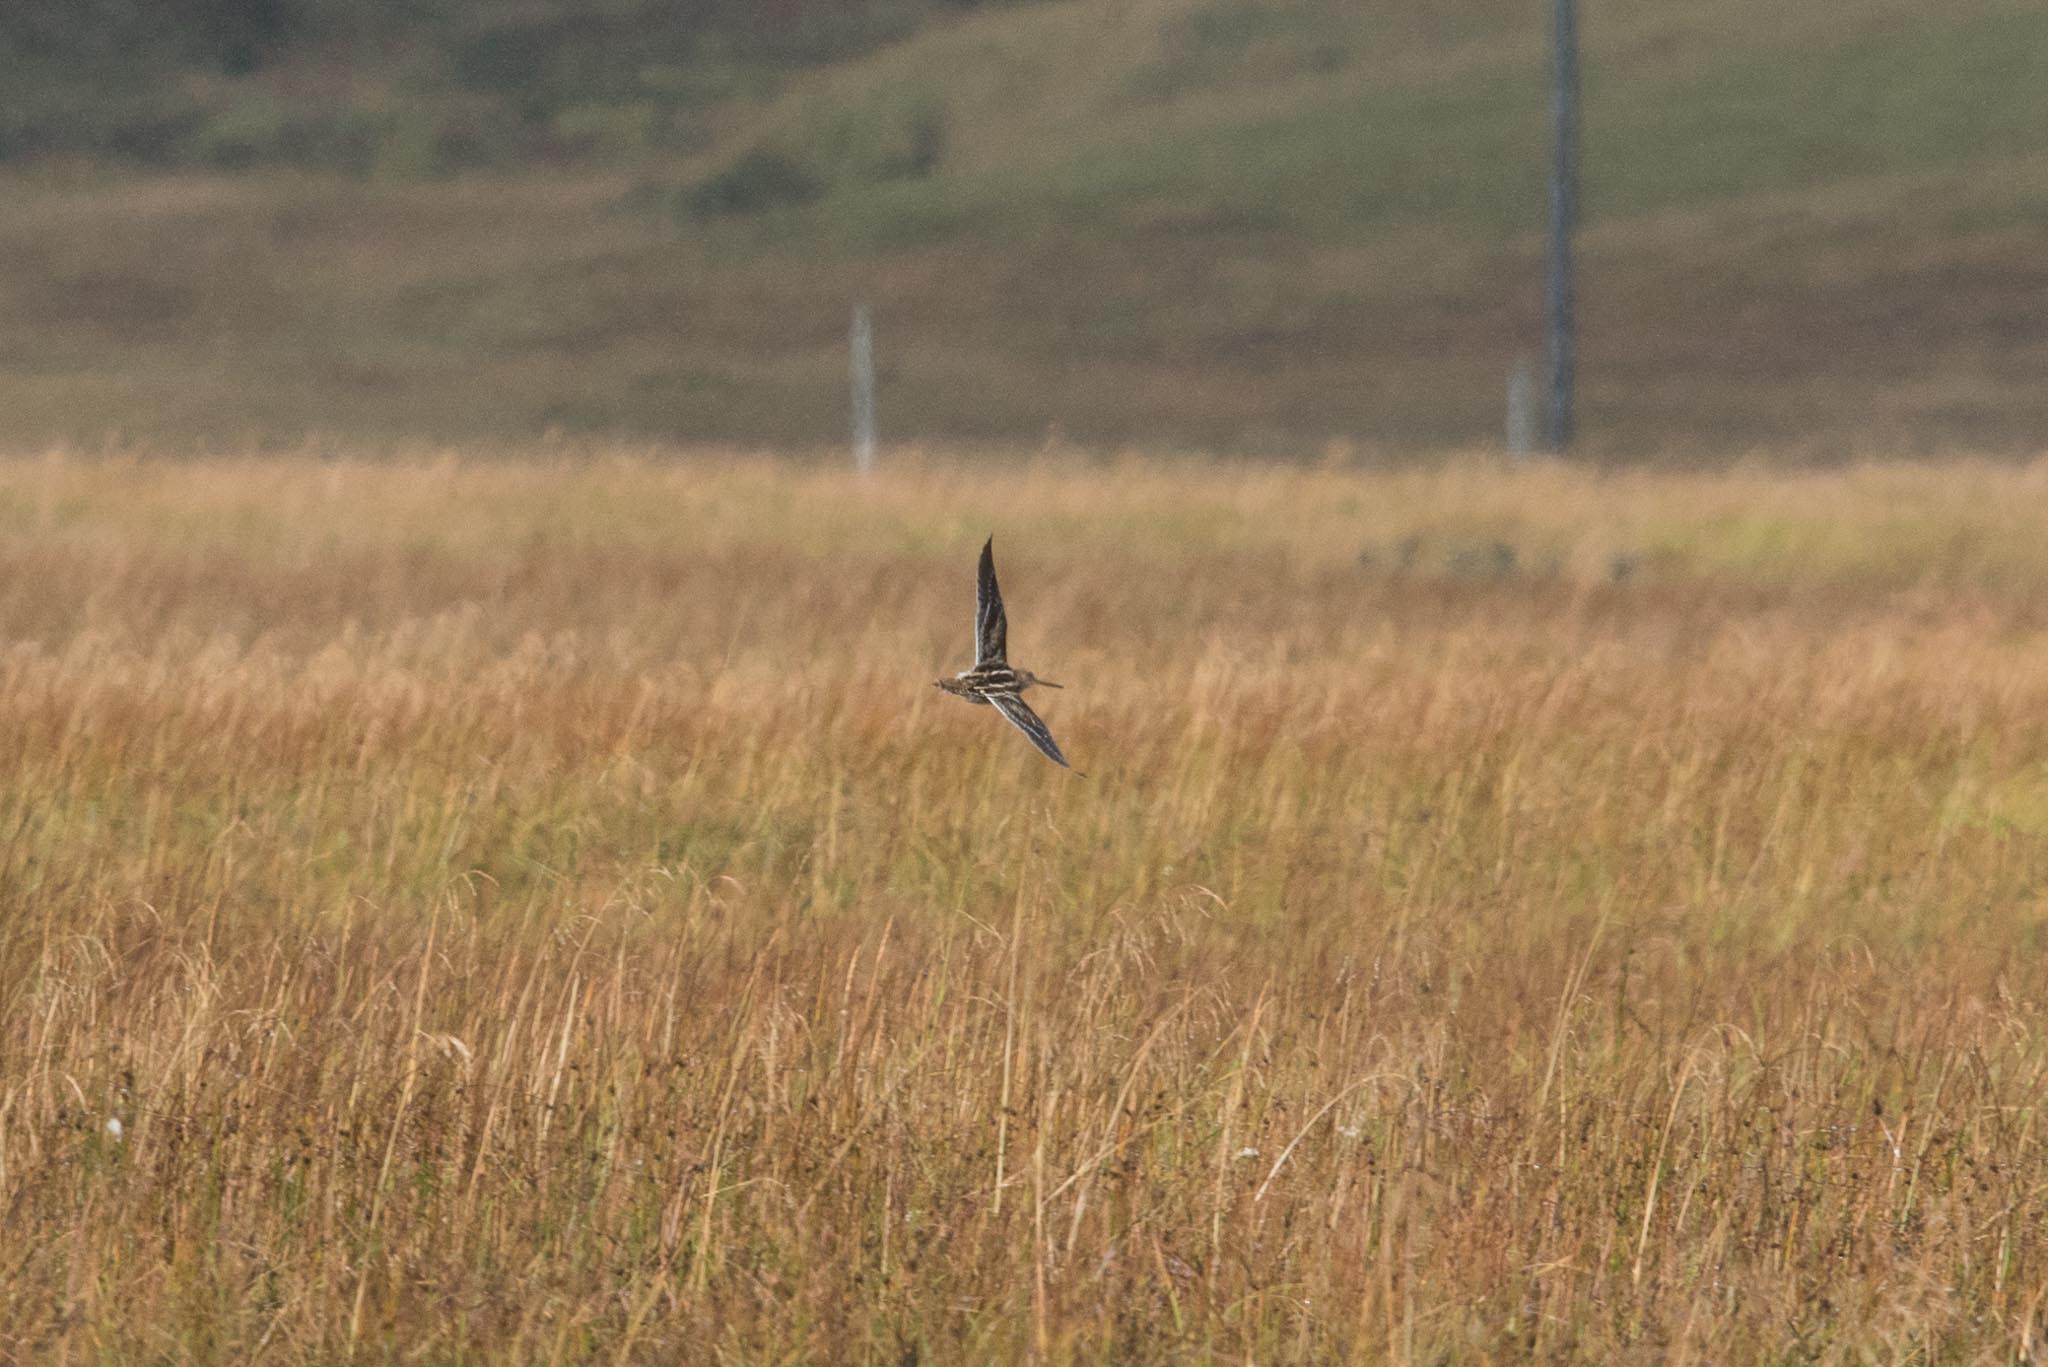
1024 719
991 626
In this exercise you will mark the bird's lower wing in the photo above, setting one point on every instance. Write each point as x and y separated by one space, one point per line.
1024 719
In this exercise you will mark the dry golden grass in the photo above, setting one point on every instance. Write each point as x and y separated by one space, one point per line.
526 909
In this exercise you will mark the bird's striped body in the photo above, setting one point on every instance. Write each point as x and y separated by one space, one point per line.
978 683
993 681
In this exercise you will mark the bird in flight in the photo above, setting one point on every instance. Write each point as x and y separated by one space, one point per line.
992 680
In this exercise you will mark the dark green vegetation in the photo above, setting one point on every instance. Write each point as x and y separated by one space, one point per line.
408 86
1263 224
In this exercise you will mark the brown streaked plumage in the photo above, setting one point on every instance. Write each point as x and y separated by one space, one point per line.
992 680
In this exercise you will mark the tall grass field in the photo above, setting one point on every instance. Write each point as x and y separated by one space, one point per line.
527 905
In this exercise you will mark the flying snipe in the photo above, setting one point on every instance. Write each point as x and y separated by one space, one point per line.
992 680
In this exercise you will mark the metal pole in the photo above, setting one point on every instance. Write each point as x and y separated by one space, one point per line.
862 379
1564 212
1521 423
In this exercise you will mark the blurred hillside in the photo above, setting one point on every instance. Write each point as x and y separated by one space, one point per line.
1228 223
